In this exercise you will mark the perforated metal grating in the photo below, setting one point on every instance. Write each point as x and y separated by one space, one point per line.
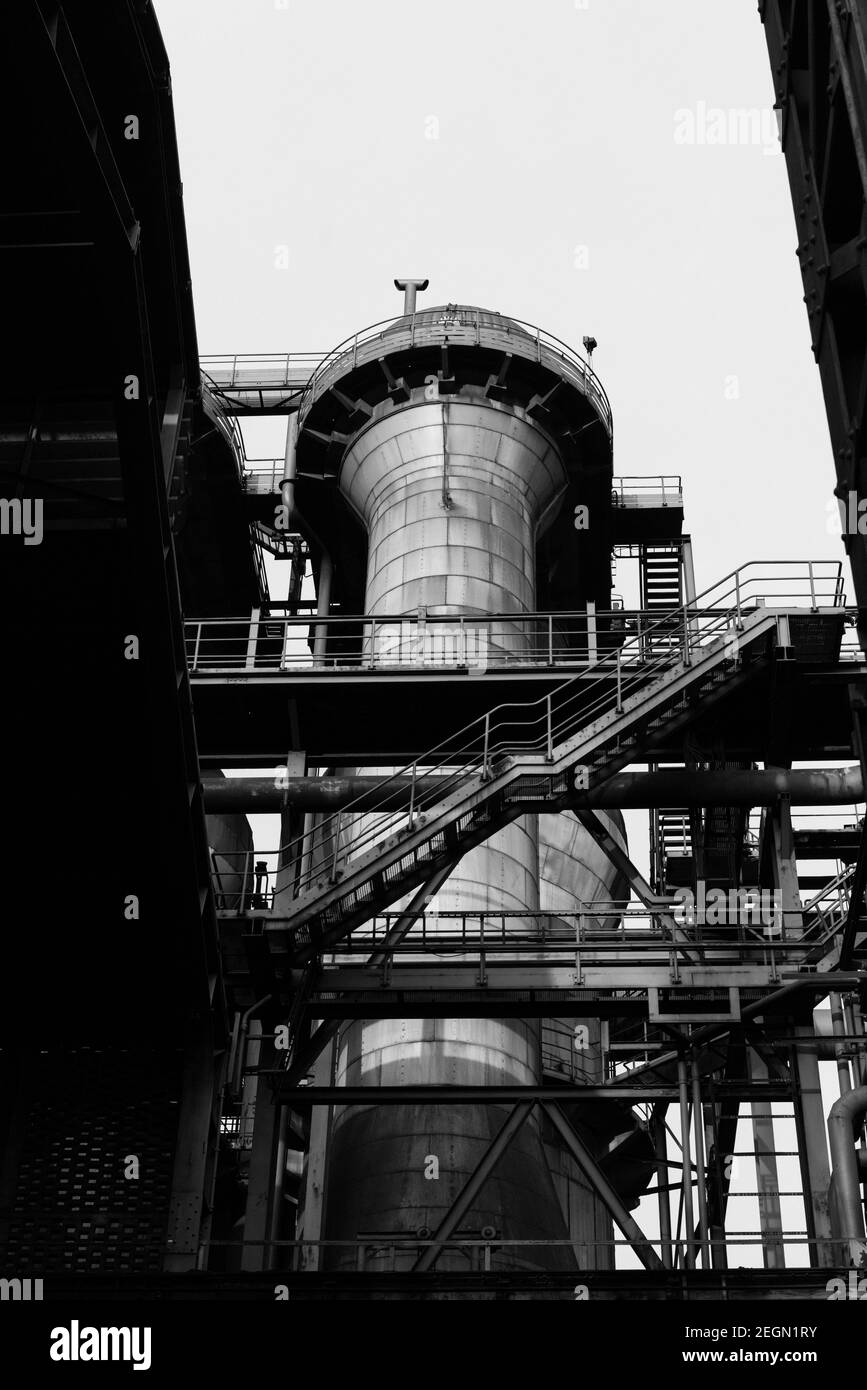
72 1208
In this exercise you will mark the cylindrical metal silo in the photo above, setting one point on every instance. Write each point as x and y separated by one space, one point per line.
453 481
451 495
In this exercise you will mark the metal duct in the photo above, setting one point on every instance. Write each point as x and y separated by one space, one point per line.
847 1203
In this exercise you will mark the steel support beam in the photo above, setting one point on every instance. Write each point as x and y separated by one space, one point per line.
194 1167
598 1181
329 1028
621 861
817 52
261 1185
767 1175
462 1203
311 1214
98 159
857 905
414 911
300 1097
660 1144
815 1165
686 1165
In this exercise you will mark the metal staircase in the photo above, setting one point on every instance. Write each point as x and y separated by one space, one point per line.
520 757
825 916
660 570
671 845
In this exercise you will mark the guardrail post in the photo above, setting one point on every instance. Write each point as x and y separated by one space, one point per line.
550 754
486 745
243 896
412 796
336 853
687 655
550 639
619 685
252 639
592 652
738 598
813 603
198 641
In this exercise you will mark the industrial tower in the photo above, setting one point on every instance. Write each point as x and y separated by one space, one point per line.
442 1036
496 1009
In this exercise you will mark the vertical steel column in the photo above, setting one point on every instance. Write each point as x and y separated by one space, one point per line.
260 1173
686 1178
815 1165
311 1218
854 1029
592 649
701 1186
784 866
838 1025
591 1170
660 1143
194 1168
276 1214
767 1174
252 640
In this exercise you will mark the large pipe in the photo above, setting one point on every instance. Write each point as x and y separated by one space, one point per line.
326 564
838 1026
846 1113
815 787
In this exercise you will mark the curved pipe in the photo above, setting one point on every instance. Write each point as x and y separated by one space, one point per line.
845 1114
241 1051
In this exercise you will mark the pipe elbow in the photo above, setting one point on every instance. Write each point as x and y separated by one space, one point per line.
850 1107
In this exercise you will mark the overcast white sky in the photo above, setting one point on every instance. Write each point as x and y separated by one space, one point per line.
555 190
306 125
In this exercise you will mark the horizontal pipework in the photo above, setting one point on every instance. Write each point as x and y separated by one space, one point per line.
813 787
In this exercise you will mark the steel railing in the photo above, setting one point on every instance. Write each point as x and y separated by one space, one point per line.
465 326
313 372
264 475
535 728
494 641
664 490
393 1252
271 370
